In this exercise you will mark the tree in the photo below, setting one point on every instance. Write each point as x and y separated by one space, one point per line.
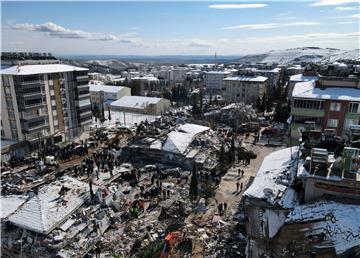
109 115
222 159
231 153
135 87
194 183
102 111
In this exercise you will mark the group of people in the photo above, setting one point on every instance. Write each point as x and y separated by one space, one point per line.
222 208
65 153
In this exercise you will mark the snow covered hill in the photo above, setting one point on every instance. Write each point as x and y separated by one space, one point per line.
305 54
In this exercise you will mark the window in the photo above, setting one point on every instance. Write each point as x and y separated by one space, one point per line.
334 106
350 122
353 108
332 123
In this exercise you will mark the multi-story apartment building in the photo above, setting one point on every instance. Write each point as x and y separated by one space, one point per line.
42 104
330 102
214 80
243 88
105 94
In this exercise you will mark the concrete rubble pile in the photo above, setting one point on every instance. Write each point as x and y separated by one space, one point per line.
232 115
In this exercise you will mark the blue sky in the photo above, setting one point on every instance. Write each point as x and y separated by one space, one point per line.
169 27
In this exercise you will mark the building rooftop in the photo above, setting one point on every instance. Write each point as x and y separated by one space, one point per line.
179 141
339 223
309 91
274 177
246 78
302 78
135 102
105 88
218 72
46 210
9 204
40 69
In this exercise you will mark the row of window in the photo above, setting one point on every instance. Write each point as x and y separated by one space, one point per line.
309 104
303 119
331 123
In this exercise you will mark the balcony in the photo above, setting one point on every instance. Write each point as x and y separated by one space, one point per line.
33 94
29 117
36 128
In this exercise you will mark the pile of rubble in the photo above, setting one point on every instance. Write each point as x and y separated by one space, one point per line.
232 115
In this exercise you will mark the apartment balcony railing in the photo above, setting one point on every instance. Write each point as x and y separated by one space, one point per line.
36 128
33 116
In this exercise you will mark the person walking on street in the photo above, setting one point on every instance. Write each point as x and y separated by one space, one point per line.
237 186
241 187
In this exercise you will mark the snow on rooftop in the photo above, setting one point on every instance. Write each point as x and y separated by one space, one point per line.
9 204
179 141
193 128
246 78
302 78
274 177
339 222
218 72
135 102
40 69
309 91
46 210
105 88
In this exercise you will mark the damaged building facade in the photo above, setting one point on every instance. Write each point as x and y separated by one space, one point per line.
181 145
297 201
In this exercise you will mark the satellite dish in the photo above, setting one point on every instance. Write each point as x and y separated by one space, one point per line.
268 192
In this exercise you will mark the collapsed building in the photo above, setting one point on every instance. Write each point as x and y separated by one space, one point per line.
297 201
232 115
180 146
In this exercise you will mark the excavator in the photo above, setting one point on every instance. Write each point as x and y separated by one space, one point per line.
171 239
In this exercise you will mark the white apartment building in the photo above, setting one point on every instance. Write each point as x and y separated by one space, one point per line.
214 80
43 104
243 89
104 94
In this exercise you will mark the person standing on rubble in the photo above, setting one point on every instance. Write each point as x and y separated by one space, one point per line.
225 207
241 187
92 195
220 208
98 249
237 186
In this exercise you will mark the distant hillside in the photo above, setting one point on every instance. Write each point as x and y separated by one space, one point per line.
305 54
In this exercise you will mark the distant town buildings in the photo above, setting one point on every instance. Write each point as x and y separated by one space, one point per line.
243 89
214 80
